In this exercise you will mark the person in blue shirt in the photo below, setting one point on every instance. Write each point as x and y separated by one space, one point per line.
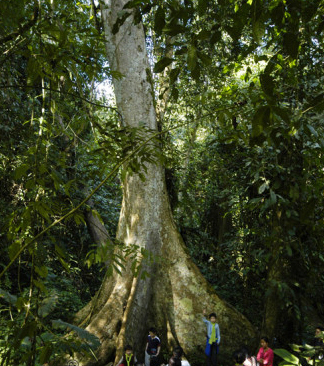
213 339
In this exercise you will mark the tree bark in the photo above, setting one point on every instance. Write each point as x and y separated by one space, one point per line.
173 296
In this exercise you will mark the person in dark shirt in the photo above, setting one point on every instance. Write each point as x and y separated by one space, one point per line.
318 343
153 346
318 340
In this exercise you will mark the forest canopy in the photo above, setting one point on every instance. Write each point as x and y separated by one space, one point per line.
237 87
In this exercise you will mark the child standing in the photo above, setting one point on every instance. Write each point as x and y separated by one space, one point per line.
153 346
128 358
265 354
213 339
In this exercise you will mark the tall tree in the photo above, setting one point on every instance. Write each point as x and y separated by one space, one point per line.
173 293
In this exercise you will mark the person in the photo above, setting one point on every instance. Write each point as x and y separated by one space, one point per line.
153 347
238 357
128 359
176 358
265 354
318 339
249 360
213 339
318 343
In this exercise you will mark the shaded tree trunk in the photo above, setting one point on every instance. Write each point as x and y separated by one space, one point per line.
278 271
174 294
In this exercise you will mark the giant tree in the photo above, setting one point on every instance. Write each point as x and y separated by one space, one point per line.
169 292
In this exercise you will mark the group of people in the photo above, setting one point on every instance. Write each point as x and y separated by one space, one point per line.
152 351
153 348
241 357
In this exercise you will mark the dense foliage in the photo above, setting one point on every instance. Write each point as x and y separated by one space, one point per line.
242 124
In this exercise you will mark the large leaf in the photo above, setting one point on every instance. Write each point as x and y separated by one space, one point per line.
258 29
260 120
159 20
162 64
11 299
192 57
291 44
82 333
174 73
14 249
287 356
120 21
48 305
267 84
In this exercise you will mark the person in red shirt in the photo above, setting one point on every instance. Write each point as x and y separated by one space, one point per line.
265 354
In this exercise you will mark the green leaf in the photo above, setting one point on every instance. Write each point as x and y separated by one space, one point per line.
48 305
21 171
312 130
14 249
11 299
258 30
291 44
260 120
192 57
46 353
79 218
82 333
175 93
42 271
64 264
273 197
159 20
40 285
267 84
284 363
162 64
60 251
287 356
174 73
263 187
206 60
120 21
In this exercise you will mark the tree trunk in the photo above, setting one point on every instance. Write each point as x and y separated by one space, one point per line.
174 294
